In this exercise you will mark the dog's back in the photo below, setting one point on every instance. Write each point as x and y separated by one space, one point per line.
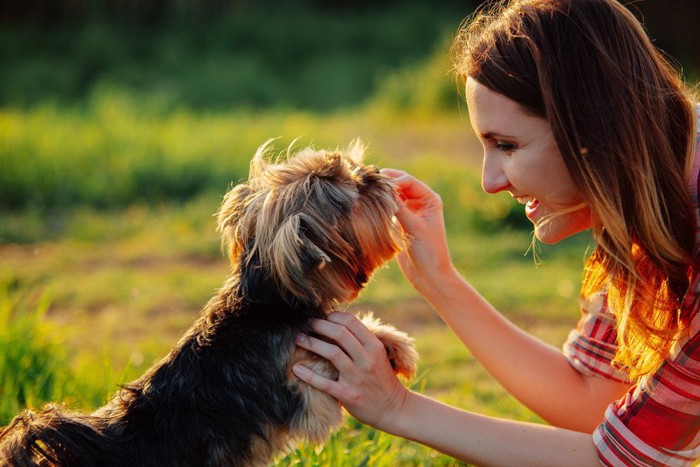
302 237
219 398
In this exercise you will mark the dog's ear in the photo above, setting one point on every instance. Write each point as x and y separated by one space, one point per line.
291 255
228 220
295 215
238 215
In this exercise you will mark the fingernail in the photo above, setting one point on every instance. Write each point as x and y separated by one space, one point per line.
300 338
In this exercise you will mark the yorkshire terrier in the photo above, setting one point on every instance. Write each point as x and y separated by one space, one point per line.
303 235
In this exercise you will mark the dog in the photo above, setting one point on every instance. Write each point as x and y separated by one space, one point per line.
303 234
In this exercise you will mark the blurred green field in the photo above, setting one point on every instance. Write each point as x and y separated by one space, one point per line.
114 282
113 164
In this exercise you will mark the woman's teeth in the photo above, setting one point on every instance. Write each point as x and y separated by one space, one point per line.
525 199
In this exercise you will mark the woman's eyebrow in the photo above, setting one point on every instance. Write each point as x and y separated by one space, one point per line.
495 135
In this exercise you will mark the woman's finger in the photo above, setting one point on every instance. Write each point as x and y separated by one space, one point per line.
340 334
357 328
408 186
330 387
393 173
331 352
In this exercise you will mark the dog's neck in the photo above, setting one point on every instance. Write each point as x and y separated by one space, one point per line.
252 284
256 291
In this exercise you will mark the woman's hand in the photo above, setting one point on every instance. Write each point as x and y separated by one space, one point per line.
426 256
367 386
369 390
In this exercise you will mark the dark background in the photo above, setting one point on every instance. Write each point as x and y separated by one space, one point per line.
319 55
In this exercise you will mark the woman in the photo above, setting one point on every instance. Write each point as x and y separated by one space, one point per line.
584 123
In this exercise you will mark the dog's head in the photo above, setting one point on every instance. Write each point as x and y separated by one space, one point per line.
313 226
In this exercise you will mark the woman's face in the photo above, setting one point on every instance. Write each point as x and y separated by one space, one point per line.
522 158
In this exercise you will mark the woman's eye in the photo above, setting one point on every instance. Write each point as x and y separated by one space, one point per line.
505 147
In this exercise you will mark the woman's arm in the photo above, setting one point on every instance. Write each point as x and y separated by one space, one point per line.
489 441
535 373
368 389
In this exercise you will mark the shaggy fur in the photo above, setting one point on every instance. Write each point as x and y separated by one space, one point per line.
303 236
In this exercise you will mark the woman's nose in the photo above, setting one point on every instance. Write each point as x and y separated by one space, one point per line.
493 178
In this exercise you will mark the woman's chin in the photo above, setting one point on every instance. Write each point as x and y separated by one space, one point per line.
551 233
559 227
547 237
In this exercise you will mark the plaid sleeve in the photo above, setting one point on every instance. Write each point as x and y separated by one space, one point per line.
657 423
592 345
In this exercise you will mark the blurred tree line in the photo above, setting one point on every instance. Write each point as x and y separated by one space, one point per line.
315 54
53 11
215 54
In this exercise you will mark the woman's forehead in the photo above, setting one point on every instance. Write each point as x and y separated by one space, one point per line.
492 113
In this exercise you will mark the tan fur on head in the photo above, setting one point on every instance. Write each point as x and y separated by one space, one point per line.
318 222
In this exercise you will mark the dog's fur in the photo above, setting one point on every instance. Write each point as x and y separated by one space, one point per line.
303 236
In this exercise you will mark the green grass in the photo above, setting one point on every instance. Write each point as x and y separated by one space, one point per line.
36 369
118 140
112 281
31 356
121 150
101 275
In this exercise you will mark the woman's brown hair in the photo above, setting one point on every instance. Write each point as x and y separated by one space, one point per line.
624 124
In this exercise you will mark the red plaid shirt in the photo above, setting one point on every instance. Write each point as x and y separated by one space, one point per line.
657 422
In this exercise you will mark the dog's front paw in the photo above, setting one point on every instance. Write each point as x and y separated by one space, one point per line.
399 345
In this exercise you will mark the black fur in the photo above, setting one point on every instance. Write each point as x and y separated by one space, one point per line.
224 396
201 405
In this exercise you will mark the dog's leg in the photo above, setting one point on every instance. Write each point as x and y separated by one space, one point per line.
399 345
320 413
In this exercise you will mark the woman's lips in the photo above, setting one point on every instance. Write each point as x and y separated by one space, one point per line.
531 205
531 209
